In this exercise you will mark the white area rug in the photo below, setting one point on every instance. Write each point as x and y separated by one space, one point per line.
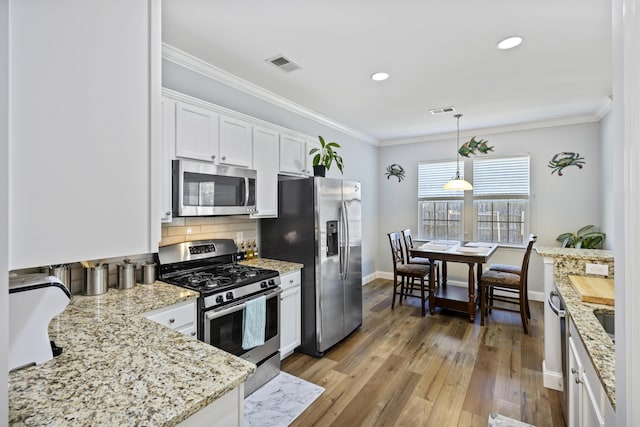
497 420
280 401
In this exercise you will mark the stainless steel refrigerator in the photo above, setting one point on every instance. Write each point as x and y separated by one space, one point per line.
319 225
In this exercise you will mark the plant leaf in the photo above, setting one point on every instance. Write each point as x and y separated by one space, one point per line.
584 230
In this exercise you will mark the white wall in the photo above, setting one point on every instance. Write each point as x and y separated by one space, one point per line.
4 207
360 158
558 204
611 176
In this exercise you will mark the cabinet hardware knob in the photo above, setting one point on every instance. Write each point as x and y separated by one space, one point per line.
574 371
224 158
193 334
291 281
578 380
167 213
172 320
213 157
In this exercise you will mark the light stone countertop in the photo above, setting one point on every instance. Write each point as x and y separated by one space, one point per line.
599 345
119 368
281 267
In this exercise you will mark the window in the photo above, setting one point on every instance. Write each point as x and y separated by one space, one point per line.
501 199
440 212
497 209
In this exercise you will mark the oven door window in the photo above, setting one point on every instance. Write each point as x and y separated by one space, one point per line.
225 332
213 190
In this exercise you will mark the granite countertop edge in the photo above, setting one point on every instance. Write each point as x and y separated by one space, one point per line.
118 367
600 347
591 254
281 267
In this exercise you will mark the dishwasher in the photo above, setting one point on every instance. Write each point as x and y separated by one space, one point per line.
560 311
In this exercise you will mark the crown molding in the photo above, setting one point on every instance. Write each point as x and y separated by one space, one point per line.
605 107
193 63
562 121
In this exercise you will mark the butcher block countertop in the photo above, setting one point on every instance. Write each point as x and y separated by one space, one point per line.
119 368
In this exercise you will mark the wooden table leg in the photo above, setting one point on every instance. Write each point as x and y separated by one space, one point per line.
471 306
478 287
432 286
444 274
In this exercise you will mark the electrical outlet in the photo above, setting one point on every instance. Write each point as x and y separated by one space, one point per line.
599 269
239 236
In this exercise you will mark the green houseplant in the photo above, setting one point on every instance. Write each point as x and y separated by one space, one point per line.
325 156
583 238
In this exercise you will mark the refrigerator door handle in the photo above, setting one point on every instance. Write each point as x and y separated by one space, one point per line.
347 249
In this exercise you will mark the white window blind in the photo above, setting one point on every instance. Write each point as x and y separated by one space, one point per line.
501 177
432 176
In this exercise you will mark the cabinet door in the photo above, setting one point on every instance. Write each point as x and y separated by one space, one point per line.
292 155
290 323
591 414
290 313
574 397
168 154
235 142
265 154
196 132
85 130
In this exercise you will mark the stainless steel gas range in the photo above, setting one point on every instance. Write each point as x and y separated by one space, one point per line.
225 287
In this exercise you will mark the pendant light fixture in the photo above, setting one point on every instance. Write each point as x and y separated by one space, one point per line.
457 183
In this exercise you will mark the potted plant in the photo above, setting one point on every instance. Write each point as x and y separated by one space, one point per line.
325 156
583 238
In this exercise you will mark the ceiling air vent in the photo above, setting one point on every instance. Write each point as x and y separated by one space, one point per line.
283 63
442 110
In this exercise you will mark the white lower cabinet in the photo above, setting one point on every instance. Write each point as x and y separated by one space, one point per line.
290 313
227 410
586 398
180 317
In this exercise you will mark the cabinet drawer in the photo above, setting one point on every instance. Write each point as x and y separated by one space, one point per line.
290 280
177 316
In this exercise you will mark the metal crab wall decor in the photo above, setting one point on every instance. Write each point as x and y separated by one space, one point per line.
564 159
395 170
474 146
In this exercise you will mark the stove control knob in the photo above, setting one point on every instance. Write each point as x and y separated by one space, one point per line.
263 285
272 282
219 299
229 295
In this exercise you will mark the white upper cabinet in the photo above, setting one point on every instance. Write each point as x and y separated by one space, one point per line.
168 154
292 155
196 133
265 155
235 142
85 130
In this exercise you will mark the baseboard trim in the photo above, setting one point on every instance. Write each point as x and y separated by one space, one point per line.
551 379
369 278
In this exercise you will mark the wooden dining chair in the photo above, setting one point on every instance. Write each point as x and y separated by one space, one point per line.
508 281
408 244
407 273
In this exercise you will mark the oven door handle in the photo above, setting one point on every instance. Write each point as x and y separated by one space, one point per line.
213 314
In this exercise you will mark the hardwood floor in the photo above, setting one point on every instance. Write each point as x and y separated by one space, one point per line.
402 369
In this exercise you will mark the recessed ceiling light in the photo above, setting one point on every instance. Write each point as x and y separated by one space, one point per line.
510 42
379 76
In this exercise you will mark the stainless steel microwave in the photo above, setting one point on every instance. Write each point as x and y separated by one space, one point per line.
202 189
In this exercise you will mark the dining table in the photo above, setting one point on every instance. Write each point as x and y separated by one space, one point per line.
456 298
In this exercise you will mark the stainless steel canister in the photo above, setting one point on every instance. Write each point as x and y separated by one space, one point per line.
62 272
96 280
126 274
148 272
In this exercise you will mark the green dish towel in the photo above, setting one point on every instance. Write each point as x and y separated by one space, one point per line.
254 322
